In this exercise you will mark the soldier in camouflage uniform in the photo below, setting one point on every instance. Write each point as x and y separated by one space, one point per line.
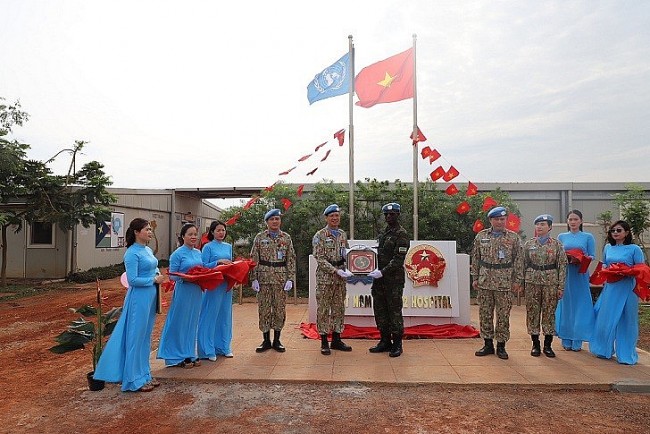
329 247
273 276
494 274
544 273
388 283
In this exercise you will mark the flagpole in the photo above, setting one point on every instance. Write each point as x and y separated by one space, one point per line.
415 145
351 142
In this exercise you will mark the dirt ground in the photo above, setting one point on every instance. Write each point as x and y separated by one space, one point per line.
42 392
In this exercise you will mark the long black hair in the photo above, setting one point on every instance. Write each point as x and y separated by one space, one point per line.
137 224
576 212
186 227
625 225
213 226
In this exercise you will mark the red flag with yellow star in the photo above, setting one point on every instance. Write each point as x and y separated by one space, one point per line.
513 222
451 174
451 190
478 226
437 174
471 189
463 208
489 203
388 80
286 203
300 189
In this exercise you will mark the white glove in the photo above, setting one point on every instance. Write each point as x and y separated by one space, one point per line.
375 274
344 273
255 285
288 286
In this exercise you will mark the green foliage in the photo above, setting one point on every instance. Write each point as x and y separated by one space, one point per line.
101 273
635 209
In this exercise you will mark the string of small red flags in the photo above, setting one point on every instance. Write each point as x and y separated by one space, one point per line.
433 155
286 203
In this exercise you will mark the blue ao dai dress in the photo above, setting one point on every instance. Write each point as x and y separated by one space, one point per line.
215 321
125 358
617 310
574 316
178 338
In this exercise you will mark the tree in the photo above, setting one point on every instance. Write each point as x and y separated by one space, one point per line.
30 192
635 209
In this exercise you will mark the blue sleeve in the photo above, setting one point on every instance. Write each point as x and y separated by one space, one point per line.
206 255
230 250
175 261
591 246
638 255
605 255
132 265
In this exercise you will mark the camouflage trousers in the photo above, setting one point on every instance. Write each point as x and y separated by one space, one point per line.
271 306
541 300
330 311
387 305
490 301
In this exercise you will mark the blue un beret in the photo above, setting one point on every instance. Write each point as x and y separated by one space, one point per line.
272 213
498 211
393 207
544 218
330 209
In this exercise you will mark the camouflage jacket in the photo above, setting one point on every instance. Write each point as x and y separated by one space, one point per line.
543 264
329 252
270 253
495 260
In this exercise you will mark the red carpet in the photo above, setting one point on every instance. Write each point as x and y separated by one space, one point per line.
422 331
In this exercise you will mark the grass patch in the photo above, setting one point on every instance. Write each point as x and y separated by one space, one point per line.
14 291
644 315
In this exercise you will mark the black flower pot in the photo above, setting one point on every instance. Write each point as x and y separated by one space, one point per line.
93 384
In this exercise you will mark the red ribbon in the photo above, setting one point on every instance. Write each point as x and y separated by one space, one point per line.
577 257
618 271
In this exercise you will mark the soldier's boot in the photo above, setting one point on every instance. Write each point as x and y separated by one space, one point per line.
487 349
338 344
536 350
383 345
396 351
324 345
548 351
277 345
266 343
501 350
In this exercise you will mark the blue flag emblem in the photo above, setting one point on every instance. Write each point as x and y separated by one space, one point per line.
332 81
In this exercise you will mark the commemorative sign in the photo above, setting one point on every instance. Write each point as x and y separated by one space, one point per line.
361 260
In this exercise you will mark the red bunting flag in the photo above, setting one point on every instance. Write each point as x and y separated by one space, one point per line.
312 172
513 222
304 157
320 146
327 154
437 174
286 172
451 174
471 189
340 136
388 80
419 138
478 226
286 203
270 187
463 208
489 203
425 152
451 190
233 219
251 202
434 156
301 187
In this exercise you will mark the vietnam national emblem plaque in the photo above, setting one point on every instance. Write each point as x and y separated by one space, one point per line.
424 265
361 260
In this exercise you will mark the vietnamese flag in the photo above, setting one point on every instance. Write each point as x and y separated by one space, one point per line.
513 222
471 189
300 189
451 190
327 154
286 203
419 138
451 174
425 152
286 172
251 202
312 172
437 174
320 146
463 208
340 136
388 80
489 203
434 156
304 157
478 226
233 219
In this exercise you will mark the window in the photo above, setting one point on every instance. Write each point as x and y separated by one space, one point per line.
41 234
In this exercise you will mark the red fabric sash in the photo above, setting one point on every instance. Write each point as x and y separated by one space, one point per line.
577 257
422 331
618 271
209 278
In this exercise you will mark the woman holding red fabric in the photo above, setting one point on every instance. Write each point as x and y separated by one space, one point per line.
574 317
617 309
215 322
178 338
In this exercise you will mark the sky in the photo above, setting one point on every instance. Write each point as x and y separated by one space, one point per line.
173 94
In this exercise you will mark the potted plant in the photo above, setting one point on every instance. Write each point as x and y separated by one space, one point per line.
83 331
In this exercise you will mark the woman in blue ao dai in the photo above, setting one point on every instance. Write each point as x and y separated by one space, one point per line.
126 356
617 308
215 322
178 338
574 317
